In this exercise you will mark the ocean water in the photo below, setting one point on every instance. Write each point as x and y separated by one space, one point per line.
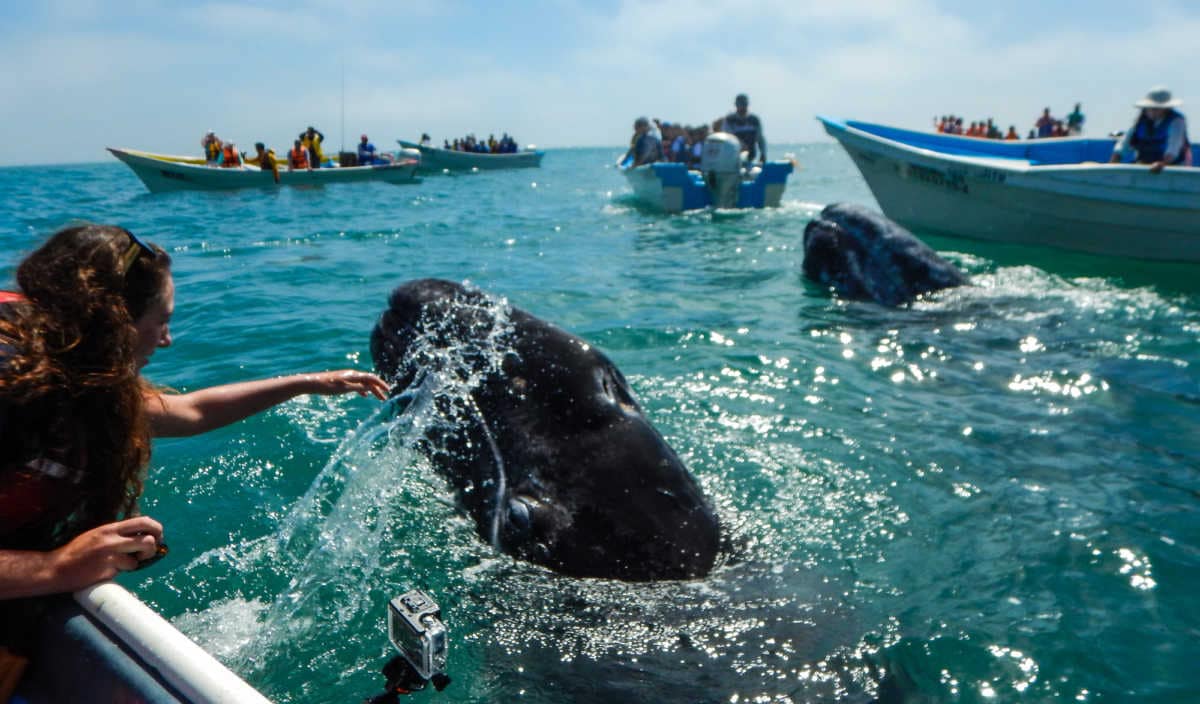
990 495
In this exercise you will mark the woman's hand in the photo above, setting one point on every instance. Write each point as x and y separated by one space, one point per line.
346 381
100 553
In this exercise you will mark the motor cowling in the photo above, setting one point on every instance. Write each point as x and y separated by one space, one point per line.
721 163
722 154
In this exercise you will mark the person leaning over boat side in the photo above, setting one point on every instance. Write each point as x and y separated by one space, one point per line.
265 159
298 157
1159 137
76 416
746 126
312 139
212 147
645 146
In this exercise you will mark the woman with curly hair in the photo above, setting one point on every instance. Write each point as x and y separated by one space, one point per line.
76 417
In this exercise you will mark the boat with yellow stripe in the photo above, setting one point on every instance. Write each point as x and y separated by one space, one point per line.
164 172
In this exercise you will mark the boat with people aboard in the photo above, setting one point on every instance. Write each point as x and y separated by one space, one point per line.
1059 192
721 181
438 159
162 172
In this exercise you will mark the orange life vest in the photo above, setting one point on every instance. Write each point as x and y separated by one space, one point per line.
229 157
298 158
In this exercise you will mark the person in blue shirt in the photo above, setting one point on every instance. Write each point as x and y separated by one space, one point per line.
367 154
645 147
1159 137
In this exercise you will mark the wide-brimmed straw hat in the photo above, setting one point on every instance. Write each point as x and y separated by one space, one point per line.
1158 97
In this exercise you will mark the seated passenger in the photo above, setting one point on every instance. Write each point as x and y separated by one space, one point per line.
1159 137
212 147
298 157
367 155
229 158
645 146
1012 133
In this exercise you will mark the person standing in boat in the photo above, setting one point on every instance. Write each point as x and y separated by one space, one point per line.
746 126
1075 121
76 416
645 147
312 139
1159 137
1045 124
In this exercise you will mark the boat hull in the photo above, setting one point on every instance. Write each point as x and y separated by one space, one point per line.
1101 208
163 173
672 188
107 646
434 159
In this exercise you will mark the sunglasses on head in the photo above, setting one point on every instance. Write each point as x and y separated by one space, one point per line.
136 248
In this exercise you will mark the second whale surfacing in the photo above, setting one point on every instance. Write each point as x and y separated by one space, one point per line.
861 254
549 452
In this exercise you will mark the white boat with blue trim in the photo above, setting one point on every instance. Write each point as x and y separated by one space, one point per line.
722 181
1056 192
163 172
105 645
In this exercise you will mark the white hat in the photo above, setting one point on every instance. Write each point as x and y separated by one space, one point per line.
1158 97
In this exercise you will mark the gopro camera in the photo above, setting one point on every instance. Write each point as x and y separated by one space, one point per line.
415 627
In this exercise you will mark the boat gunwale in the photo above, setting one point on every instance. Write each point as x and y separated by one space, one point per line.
1015 165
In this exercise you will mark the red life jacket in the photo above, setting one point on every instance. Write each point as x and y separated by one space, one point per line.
298 158
43 488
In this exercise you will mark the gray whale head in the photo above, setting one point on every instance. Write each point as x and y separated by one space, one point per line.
863 255
554 458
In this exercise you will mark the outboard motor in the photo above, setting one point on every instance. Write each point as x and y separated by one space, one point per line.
721 162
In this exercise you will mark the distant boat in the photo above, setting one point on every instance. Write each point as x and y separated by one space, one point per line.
436 159
1055 192
721 181
161 172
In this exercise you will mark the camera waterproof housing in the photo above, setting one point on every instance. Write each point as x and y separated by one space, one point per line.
415 627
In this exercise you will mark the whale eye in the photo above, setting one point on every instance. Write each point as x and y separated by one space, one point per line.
519 519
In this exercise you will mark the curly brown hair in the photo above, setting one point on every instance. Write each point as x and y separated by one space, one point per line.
71 378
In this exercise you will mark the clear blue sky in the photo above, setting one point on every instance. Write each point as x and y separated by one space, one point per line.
79 75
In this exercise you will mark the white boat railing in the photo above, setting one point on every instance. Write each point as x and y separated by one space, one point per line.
187 667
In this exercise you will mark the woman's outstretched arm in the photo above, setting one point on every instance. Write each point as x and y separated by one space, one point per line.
179 415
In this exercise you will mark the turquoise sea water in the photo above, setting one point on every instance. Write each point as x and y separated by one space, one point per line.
990 495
